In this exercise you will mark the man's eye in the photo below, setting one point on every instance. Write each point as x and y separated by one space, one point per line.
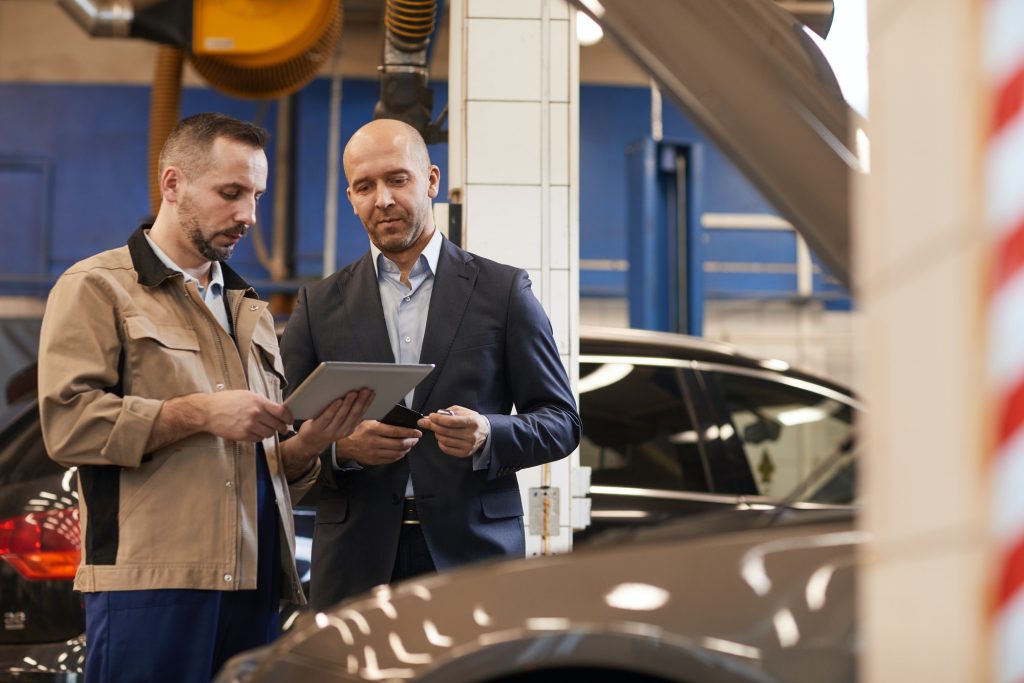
399 181
229 195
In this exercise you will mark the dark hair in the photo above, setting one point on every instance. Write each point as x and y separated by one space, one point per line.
189 143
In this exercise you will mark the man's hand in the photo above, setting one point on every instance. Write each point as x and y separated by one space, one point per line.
338 420
242 415
375 443
236 415
461 434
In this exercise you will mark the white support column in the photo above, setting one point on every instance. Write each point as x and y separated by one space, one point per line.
921 269
514 156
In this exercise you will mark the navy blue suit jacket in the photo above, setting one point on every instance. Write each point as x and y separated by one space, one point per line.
493 349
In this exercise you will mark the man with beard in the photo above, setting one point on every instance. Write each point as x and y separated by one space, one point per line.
396 501
160 380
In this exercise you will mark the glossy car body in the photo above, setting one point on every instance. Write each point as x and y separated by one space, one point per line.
764 597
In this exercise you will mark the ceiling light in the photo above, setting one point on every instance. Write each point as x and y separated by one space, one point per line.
587 30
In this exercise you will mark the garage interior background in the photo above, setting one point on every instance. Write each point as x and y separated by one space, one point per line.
74 122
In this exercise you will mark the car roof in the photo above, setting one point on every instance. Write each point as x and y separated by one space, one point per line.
649 343
722 522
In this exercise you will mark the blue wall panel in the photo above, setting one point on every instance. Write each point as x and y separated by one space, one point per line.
26 189
95 138
358 99
94 141
725 189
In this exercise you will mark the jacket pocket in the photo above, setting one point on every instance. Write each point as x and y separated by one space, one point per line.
501 504
168 336
161 360
331 508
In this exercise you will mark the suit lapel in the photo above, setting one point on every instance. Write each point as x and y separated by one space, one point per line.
364 312
453 287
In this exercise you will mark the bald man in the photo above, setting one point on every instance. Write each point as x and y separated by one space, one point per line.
398 502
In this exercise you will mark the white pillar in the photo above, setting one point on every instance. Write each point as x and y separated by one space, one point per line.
921 283
513 89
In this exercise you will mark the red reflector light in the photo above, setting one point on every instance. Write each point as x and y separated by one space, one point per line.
42 545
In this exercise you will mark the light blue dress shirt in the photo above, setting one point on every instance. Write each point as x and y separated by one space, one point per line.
212 295
405 307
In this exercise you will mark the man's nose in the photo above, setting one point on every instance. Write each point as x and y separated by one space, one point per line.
384 198
246 211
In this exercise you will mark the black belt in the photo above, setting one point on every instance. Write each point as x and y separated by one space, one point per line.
409 514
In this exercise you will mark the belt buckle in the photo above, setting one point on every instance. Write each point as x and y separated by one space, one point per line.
409 513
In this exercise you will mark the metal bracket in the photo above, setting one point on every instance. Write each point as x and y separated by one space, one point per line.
544 511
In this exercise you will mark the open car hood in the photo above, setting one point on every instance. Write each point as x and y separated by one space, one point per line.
753 81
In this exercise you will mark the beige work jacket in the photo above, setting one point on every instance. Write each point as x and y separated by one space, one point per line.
121 334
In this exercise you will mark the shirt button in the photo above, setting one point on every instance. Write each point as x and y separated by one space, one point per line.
219 386
408 340
408 298
227 578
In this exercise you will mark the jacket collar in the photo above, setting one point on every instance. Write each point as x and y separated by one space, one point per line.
152 271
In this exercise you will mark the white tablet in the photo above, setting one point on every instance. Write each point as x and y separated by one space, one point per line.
333 379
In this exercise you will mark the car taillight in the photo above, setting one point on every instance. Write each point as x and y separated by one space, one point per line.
42 545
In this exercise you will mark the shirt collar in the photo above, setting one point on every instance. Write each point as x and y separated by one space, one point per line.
431 252
216 274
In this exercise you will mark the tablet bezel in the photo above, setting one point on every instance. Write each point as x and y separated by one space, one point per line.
333 379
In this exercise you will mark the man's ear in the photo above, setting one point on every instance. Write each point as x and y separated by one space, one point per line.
433 182
171 181
348 193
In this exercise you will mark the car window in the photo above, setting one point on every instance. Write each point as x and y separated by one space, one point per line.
22 455
638 430
837 485
786 432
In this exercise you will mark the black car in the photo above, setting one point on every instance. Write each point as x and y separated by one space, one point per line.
672 426
43 620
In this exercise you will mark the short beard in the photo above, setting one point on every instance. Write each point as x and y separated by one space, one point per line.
402 242
190 222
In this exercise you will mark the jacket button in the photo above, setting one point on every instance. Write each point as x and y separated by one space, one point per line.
227 578
230 484
219 386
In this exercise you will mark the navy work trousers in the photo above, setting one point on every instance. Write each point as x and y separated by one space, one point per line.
185 636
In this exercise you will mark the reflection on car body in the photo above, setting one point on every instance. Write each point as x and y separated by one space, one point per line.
764 598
